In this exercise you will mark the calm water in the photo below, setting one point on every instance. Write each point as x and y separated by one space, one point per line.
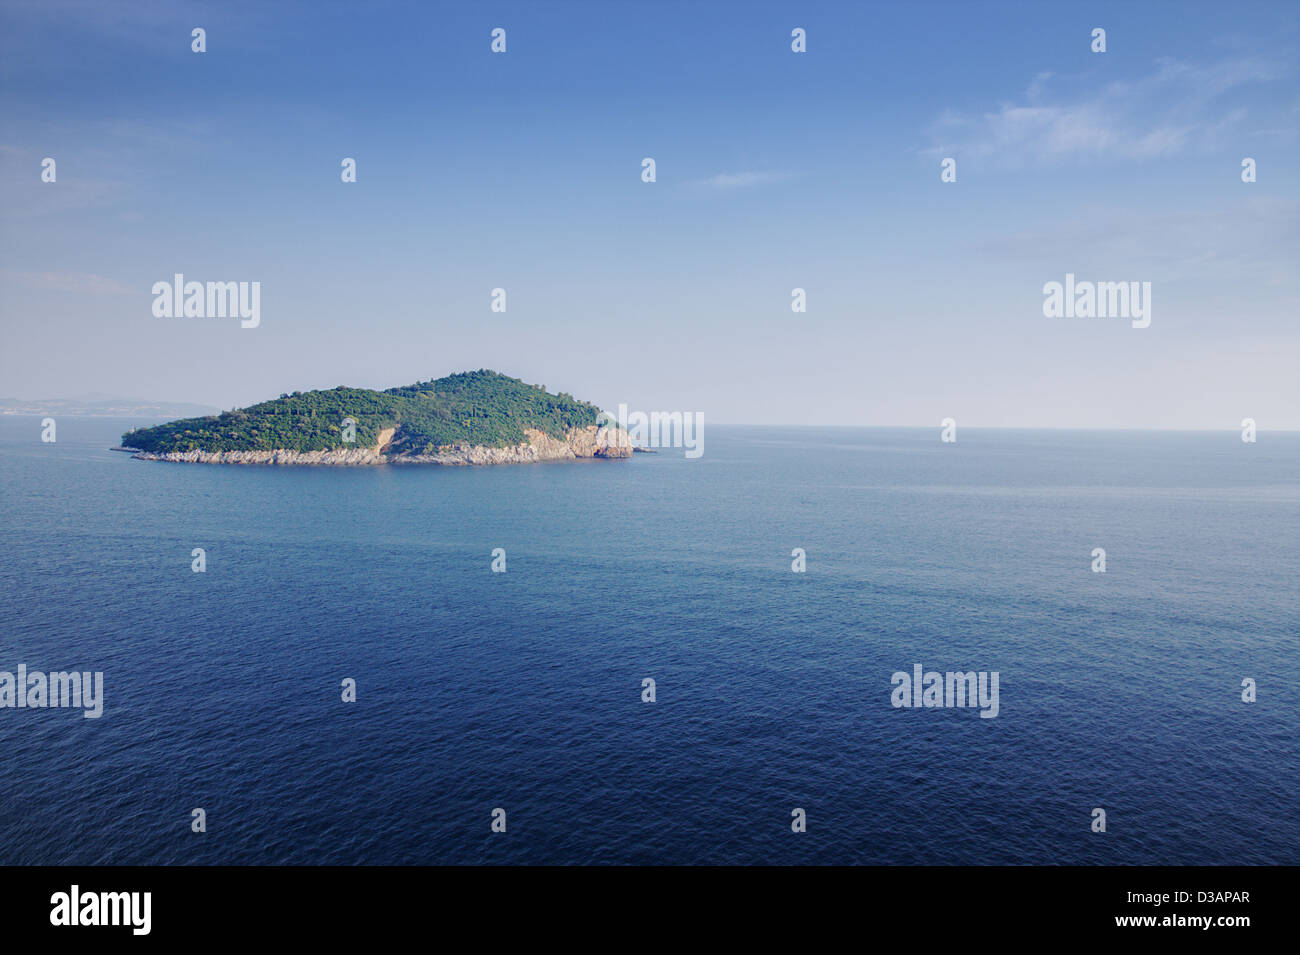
522 690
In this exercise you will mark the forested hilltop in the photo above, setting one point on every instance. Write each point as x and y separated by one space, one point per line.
483 408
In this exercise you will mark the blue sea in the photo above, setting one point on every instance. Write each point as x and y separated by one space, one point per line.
523 690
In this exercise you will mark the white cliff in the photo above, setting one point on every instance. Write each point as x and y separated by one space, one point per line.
588 442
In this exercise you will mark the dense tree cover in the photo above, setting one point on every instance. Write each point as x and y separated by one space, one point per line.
476 407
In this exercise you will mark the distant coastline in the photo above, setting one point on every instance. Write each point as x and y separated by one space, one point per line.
103 406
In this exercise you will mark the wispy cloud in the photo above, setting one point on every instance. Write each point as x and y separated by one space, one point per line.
23 196
741 180
1245 243
160 26
1176 108
109 148
84 283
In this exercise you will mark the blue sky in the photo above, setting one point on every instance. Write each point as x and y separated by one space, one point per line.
775 170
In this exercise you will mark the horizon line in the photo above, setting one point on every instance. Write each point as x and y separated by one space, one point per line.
764 424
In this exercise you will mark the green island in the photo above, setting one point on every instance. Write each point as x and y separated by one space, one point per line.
480 408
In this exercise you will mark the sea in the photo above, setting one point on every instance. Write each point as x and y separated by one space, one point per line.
518 699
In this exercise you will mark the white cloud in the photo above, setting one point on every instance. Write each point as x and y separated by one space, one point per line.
84 283
1247 243
741 180
1170 111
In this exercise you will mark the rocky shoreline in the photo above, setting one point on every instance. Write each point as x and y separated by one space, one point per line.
588 442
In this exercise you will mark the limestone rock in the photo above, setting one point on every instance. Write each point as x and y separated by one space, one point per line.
588 442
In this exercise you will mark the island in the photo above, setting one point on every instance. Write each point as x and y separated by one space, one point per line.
471 418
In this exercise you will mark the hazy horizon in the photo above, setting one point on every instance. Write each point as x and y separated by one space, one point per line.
723 424
776 170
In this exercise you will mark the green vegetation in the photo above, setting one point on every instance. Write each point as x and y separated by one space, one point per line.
475 407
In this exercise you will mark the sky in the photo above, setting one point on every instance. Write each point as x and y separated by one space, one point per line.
775 170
